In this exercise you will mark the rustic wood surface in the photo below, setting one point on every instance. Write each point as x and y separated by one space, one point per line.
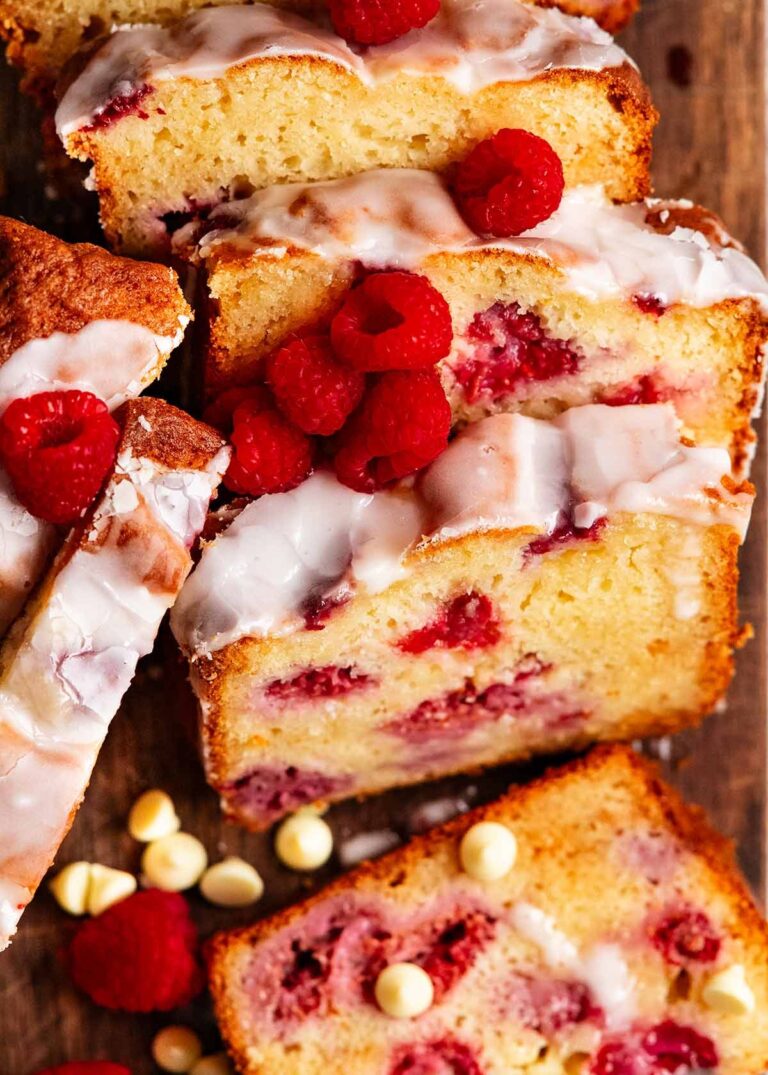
704 60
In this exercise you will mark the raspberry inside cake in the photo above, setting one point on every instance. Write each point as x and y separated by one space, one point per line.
421 101
543 584
70 657
595 952
600 303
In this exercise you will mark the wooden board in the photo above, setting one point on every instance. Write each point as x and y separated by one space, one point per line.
704 60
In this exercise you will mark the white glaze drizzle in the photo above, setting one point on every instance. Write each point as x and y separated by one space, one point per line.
471 43
115 360
66 671
602 967
506 471
397 218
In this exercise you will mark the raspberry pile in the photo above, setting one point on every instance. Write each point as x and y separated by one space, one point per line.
57 448
509 183
364 393
140 955
376 22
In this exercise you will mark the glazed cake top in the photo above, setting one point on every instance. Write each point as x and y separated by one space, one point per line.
470 43
397 218
504 472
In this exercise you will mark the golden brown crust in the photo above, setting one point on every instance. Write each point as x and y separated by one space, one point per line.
153 429
661 805
47 286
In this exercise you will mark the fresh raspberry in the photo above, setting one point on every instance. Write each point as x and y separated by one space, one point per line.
686 937
401 426
679 1048
270 455
375 22
314 390
509 183
140 955
220 412
392 321
58 448
86 1067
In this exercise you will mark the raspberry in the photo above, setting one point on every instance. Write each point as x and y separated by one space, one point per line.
220 413
469 621
509 183
617 1058
375 22
86 1067
58 448
401 426
686 937
444 1057
511 348
392 321
270 455
140 955
328 682
315 391
679 1048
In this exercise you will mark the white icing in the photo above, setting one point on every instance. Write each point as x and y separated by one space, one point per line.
471 44
282 549
506 471
399 217
68 667
112 359
602 967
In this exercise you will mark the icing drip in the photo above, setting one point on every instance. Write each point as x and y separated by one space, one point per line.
471 43
71 662
507 471
602 967
400 217
113 359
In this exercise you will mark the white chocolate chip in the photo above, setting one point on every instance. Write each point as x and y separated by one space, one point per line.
70 887
728 991
153 816
488 851
232 883
404 990
218 1064
176 1048
304 841
108 886
174 863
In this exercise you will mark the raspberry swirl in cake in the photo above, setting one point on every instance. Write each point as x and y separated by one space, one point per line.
471 44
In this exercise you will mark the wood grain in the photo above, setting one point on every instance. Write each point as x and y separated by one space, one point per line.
704 60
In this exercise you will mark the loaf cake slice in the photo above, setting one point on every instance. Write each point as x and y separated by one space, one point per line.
543 584
600 302
70 657
235 98
72 317
621 941
43 35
